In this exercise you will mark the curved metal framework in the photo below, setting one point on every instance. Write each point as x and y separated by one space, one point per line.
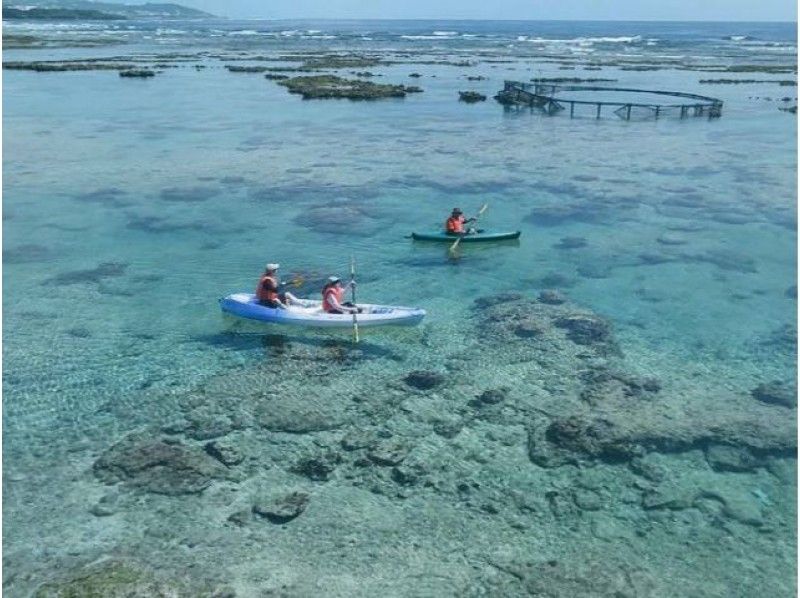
546 96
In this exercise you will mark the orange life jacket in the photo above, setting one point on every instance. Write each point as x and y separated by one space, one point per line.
332 291
264 294
455 224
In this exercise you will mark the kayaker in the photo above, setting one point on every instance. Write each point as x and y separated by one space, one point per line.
455 224
333 295
268 293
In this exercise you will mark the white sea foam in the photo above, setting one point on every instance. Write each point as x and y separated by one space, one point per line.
582 41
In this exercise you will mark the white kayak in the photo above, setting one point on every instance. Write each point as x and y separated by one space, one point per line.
307 312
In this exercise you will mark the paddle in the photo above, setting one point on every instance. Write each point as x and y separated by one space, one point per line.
353 291
478 215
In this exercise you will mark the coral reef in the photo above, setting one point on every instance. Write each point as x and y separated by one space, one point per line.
471 97
331 86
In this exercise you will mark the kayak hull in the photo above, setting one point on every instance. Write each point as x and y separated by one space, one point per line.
309 313
482 237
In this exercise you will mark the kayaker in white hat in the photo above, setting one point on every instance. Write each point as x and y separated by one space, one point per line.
268 293
333 295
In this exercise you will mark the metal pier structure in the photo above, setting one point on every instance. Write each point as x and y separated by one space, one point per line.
554 98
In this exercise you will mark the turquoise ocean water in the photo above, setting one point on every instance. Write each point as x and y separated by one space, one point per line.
131 206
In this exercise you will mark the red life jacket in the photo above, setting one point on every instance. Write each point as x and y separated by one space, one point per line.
455 224
264 294
332 291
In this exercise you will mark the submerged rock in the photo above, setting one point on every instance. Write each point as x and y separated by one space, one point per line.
648 467
205 426
585 329
154 465
580 575
225 451
471 97
58 65
388 453
725 260
106 506
604 385
138 73
554 279
188 194
116 579
529 329
625 431
669 496
571 243
95 275
331 86
492 396
744 510
510 320
26 253
775 393
235 68
300 415
668 239
730 458
317 467
241 517
552 297
282 509
423 379
340 217
492 300
595 271
341 61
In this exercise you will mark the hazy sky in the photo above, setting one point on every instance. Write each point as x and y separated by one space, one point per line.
622 10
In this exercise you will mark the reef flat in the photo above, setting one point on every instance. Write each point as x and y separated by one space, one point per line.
606 406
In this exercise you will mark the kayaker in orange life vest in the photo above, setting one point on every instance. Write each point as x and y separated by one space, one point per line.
267 292
333 298
455 224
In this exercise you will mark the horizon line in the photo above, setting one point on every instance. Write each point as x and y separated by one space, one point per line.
254 18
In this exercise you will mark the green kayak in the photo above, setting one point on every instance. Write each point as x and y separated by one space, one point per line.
478 237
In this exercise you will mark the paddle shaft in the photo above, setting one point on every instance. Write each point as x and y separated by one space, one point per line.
478 215
353 291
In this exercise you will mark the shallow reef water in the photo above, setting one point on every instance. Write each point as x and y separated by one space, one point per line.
606 407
